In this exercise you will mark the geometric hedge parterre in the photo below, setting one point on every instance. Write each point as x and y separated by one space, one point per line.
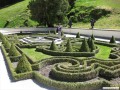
69 72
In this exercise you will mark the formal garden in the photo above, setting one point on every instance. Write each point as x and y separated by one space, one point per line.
66 63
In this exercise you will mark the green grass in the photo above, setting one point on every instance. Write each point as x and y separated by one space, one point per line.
18 13
35 55
100 3
111 21
104 52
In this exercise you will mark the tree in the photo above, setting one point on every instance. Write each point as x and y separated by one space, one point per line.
84 46
55 32
92 37
112 40
7 44
62 33
69 46
78 35
92 45
13 51
71 2
89 42
53 46
23 65
3 39
49 12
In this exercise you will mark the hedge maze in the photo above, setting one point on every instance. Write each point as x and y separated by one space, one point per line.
65 70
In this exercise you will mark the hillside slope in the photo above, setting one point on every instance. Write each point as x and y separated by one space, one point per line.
18 13
111 20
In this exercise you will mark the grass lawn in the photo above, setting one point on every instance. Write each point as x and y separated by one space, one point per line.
104 52
18 13
35 55
111 21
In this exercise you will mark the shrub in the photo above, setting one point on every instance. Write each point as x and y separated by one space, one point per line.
106 44
53 46
58 53
92 45
54 31
23 65
13 51
112 40
1 35
69 46
49 32
92 37
78 35
84 46
62 33
89 42
7 44
3 39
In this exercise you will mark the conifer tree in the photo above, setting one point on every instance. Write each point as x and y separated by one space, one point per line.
62 33
69 46
78 35
112 40
7 44
84 46
13 51
92 46
92 37
23 65
53 46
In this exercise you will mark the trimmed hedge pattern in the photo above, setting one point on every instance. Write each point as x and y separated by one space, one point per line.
57 53
70 70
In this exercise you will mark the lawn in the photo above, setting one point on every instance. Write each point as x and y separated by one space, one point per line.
18 13
35 55
110 21
104 52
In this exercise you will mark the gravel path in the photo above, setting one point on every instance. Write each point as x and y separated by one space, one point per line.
6 84
99 33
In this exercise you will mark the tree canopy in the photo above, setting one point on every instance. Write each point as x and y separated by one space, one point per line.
49 12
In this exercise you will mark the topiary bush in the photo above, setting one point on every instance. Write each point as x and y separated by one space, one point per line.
91 44
69 46
54 31
1 35
78 35
53 46
3 38
112 40
7 45
84 46
23 65
13 51
62 33
49 32
92 37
